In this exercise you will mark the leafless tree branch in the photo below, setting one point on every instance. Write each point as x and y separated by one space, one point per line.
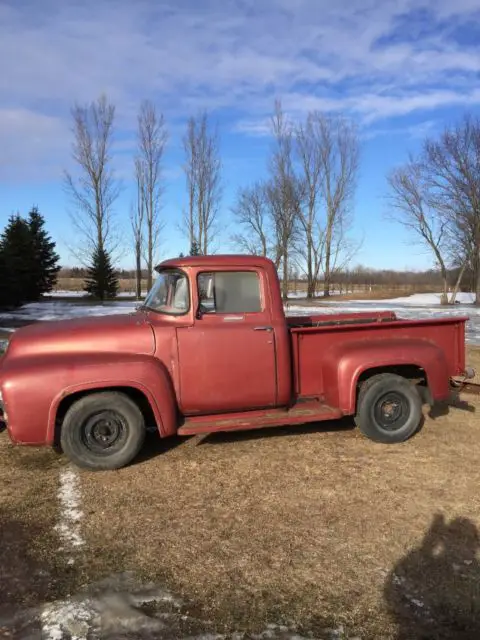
152 139
203 175
95 189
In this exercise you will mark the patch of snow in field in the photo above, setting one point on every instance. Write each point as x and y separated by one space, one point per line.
419 306
59 618
67 310
60 293
303 294
419 299
65 293
422 308
115 608
70 512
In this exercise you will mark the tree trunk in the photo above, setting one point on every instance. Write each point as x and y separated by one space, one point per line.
310 280
457 283
138 272
311 289
150 258
328 250
477 277
285 276
444 296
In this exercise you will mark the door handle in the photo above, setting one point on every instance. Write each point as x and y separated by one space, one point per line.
263 328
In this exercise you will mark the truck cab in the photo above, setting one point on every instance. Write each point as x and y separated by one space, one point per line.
210 349
230 333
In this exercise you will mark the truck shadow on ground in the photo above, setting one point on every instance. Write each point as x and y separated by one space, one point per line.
220 437
441 409
155 446
434 591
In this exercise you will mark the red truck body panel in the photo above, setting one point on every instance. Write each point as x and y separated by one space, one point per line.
219 371
345 352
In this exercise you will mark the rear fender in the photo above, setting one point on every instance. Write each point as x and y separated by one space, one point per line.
344 364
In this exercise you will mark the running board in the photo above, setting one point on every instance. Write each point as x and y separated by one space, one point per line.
301 413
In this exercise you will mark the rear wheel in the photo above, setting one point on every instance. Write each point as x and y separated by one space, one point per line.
103 431
389 409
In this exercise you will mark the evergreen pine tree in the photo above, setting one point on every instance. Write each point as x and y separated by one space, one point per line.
101 281
43 258
195 249
4 284
15 249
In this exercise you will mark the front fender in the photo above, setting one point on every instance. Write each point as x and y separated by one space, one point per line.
344 364
33 390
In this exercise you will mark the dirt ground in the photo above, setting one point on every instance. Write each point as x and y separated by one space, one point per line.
311 527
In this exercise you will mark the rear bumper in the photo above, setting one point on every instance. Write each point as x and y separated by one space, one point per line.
469 373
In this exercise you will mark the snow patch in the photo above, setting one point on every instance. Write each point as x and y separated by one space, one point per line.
418 307
114 608
70 513
59 618
67 310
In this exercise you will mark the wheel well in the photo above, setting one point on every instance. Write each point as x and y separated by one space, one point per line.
411 372
134 394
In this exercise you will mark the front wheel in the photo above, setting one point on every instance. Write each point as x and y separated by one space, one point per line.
103 431
389 409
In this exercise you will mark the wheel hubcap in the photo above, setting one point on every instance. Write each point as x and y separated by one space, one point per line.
391 411
105 432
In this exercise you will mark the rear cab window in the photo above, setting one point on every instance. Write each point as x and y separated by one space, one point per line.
223 292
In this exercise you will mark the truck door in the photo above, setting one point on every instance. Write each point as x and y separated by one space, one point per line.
227 358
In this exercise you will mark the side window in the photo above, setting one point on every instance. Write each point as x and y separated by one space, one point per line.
229 292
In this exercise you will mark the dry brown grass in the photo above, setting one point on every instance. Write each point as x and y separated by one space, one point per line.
305 524
316 525
76 284
473 359
30 567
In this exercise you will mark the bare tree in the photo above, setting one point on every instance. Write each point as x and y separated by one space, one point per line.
152 140
453 164
284 193
411 202
312 243
137 219
190 169
203 174
251 213
338 150
95 189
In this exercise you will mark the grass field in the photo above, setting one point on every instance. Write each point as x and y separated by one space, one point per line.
309 526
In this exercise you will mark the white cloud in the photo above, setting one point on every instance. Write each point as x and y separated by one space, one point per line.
223 54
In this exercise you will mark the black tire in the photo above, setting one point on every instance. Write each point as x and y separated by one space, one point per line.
389 409
103 431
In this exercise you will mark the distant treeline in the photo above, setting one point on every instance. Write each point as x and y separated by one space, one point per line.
359 276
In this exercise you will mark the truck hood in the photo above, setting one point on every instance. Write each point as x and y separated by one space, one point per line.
129 333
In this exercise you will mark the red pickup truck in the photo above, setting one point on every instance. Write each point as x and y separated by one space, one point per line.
211 350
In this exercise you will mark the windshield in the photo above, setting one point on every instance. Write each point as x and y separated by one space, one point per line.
169 293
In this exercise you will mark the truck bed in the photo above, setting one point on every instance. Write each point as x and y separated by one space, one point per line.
337 319
325 346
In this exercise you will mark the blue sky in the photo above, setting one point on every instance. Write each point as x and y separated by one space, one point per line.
400 69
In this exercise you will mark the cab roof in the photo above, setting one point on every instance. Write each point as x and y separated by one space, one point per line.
225 260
